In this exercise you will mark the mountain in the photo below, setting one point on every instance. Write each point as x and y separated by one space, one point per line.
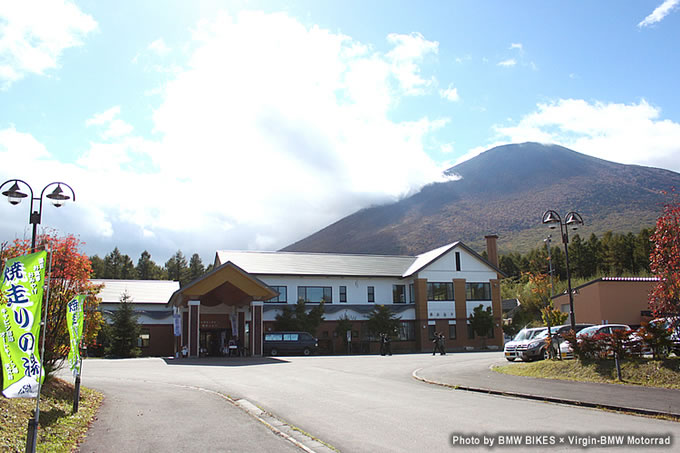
504 190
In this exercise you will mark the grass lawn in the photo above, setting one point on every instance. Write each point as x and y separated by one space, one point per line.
59 431
639 371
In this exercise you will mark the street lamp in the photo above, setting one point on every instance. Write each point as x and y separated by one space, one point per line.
572 220
57 197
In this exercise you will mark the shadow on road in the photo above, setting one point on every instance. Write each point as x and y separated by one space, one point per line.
224 361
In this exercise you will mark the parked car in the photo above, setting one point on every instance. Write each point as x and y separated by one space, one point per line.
523 336
537 350
672 323
276 343
567 351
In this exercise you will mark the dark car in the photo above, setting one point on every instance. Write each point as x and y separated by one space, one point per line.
276 343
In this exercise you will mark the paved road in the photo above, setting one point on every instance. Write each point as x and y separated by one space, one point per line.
370 403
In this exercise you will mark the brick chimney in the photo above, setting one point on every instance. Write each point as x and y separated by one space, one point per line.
491 248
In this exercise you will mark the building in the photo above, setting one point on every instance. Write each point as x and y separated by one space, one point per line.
614 300
435 291
150 299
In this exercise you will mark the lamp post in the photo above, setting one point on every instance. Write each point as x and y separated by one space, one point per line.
572 220
15 196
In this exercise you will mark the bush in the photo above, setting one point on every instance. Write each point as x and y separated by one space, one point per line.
655 336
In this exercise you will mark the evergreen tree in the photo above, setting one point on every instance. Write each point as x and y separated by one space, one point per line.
98 267
177 268
196 267
299 319
147 269
119 266
481 322
124 330
382 320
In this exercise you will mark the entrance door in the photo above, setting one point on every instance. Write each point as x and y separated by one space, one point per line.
210 342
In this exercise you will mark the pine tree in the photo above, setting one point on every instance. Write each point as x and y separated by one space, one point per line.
177 268
382 320
196 267
124 330
147 269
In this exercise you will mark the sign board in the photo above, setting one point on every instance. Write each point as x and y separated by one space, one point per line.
177 322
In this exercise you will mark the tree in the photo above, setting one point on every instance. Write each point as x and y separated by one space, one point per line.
119 266
299 318
70 276
343 326
196 267
665 260
382 320
124 330
481 322
177 268
98 267
147 269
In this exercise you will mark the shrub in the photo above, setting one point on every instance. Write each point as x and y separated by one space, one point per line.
656 337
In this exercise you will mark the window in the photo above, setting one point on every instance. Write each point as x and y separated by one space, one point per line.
144 338
343 294
282 298
407 331
290 336
399 294
452 330
478 291
457 261
430 331
471 332
371 294
315 294
490 334
273 337
440 291
411 294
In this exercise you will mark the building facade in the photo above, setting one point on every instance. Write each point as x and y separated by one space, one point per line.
150 299
613 300
436 291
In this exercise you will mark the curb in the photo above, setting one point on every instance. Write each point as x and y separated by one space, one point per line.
549 399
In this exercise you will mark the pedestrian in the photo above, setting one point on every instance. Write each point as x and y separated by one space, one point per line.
388 345
185 352
441 341
383 347
435 343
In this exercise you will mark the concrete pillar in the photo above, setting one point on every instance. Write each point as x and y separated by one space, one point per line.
420 288
497 310
256 328
242 328
461 311
194 327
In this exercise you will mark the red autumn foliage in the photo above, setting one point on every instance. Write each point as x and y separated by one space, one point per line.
70 277
665 260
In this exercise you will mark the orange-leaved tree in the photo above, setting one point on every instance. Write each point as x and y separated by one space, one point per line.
665 261
70 276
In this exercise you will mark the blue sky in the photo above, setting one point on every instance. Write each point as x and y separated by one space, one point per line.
249 125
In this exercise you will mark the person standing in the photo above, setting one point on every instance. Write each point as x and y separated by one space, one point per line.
442 341
435 343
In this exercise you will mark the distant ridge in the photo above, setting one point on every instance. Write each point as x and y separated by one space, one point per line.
504 190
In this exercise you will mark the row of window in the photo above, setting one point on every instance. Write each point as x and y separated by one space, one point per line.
436 291
453 333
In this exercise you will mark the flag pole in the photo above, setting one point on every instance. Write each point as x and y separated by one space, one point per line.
76 393
32 433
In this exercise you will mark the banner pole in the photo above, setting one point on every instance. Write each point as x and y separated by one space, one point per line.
32 433
76 393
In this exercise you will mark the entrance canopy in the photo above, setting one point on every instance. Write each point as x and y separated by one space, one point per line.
227 284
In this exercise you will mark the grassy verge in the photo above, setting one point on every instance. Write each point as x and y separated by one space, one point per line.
647 372
59 431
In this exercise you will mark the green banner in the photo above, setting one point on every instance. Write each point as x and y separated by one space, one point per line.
23 279
74 320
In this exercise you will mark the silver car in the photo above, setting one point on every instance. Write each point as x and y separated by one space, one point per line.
523 337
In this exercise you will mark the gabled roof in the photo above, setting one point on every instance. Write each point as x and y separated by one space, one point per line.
335 264
140 291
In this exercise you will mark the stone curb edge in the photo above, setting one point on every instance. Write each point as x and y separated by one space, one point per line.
647 412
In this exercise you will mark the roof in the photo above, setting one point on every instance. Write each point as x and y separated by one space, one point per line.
611 279
335 264
299 263
140 291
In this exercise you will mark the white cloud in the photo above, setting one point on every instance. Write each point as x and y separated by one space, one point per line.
159 47
507 63
33 35
272 132
659 13
450 94
517 45
115 127
625 133
409 50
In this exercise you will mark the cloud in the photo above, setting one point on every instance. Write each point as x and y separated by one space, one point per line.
115 127
33 37
159 47
517 46
507 63
626 133
659 13
408 51
450 94
272 131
